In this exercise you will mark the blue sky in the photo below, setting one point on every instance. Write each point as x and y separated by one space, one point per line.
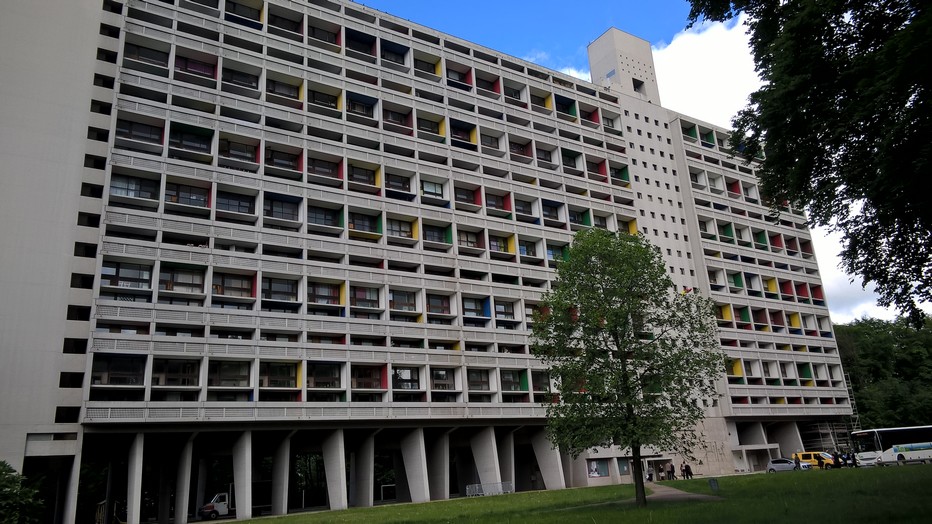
705 72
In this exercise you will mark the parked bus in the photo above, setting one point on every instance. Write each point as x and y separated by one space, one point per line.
889 446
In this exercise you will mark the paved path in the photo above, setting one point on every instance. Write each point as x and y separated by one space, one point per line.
664 491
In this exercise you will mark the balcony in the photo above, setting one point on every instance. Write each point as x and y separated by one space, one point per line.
239 156
283 164
137 136
188 143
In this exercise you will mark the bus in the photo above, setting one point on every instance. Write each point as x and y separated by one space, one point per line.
890 446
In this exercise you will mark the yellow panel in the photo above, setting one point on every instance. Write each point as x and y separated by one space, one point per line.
437 69
472 136
771 285
300 373
632 227
794 320
737 369
442 129
414 229
456 346
548 102
726 312
340 101
511 244
301 92
378 176
781 400
343 294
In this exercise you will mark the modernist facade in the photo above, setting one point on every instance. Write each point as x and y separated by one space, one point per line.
291 249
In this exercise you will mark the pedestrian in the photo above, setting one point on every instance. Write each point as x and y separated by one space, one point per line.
837 458
683 470
818 459
689 472
796 462
671 471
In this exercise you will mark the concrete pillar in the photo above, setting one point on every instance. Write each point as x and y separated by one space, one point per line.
165 491
134 480
335 470
364 473
183 482
281 465
201 484
71 490
438 468
548 458
415 457
485 453
242 475
506 457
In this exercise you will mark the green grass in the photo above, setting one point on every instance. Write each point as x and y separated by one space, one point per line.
895 494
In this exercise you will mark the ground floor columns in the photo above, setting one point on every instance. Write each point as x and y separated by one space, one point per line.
506 457
134 479
183 482
242 475
485 454
281 465
548 460
414 455
438 468
335 469
364 473
74 477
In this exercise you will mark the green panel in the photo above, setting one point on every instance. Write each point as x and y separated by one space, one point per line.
737 280
523 381
745 314
448 234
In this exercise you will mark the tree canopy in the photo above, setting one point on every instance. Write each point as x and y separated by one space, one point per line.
19 502
632 358
842 124
890 365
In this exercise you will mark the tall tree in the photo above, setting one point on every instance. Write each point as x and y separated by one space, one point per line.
633 358
890 365
842 124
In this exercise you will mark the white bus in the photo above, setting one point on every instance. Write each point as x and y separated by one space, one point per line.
890 446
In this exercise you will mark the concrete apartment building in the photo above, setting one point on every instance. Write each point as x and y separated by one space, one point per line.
291 249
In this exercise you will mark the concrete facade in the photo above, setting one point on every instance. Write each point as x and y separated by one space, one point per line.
289 251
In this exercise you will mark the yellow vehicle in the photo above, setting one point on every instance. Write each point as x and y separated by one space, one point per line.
828 462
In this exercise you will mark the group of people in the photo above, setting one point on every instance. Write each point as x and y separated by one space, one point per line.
686 472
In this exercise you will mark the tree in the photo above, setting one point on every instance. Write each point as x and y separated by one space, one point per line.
890 365
19 503
842 124
632 358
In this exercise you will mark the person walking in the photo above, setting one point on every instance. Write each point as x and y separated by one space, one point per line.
683 470
818 459
671 471
796 462
689 472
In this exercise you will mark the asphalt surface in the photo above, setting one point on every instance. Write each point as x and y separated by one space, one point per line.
665 491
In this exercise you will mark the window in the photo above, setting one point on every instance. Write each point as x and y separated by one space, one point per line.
458 76
361 175
281 159
322 99
524 207
243 10
513 92
402 300
489 141
477 379
473 307
499 244
395 117
235 202
543 154
488 85
515 147
460 133
495 201
392 56
124 274
284 23
405 378
239 151
240 78
439 304
323 375
322 34
129 186
232 285
569 160
430 126
360 222
505 310
435 234
527 248
228 373
467 238
576 217
323 167
323 217
425 66
366 377
442 379
181 280
538 100
554 253
279 88
137 131
318 293
431 189
550 211
181 139
364 297
280 209
466 195
145 54
175 372
358 45
398 182
399 228
359 107
187 195
195 67
279 289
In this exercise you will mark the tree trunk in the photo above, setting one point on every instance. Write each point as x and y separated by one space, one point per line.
640 496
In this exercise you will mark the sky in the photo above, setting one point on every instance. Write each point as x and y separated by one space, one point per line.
706 72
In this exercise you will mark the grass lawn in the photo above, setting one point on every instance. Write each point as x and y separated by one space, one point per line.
869 495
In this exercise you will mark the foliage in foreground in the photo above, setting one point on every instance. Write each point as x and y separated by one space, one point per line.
19 503
846 496
890 365
633 358
843 123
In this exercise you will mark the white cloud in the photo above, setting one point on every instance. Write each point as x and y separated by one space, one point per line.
707 72
582 74
538 57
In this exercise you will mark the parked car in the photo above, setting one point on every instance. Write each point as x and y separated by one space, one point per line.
828 462
785 464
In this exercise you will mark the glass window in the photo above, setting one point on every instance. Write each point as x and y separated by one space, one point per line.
320 293
323 217
489 141
125 274
187 195
280 209
398 182
438 304
435 234
399 228
235 202
232 285
145 54
281 89
195 67
322 99
402 300
360 222
138 131
128 186
279 289
181 280
474 307
432 189
527 248
468 238
364 297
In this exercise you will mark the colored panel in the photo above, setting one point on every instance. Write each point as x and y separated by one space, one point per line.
794 320
415 233
737 369
725 312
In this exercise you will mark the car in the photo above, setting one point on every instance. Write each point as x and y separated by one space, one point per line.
828 462
785 464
